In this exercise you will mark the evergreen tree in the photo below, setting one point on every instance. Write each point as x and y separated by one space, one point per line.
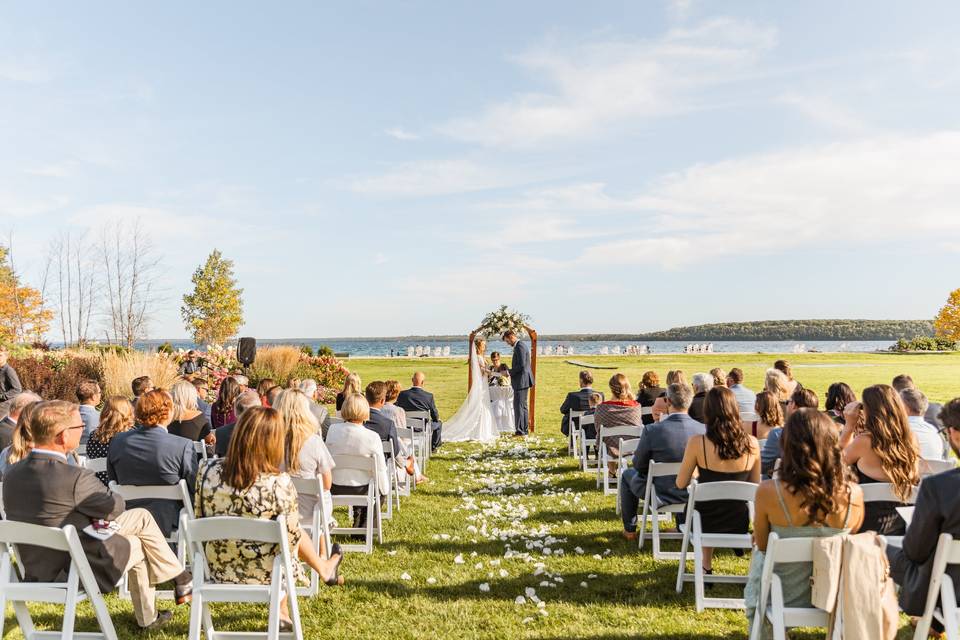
213 313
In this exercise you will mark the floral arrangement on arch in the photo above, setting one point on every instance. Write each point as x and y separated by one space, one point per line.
503 319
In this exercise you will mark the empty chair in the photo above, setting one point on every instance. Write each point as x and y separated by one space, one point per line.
607 463
625 453
317 526
942 591
658 512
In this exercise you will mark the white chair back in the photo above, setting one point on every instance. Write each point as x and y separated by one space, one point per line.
657 512
931 467
942 588
200 448
371 500
97 465
883 492
316 526
620 432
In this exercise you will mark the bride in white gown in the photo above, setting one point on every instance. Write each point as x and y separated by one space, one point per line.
473 421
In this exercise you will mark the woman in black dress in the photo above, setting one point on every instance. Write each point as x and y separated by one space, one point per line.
880 446
115 417
650 390
188 421
350 386
726 452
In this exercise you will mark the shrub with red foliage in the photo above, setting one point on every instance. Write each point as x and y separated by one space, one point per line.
55 377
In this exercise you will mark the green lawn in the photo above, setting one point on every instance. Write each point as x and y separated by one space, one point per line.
529 496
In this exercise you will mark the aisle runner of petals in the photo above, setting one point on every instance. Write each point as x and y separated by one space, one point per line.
509 475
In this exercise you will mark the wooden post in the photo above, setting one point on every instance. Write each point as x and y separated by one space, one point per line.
533 368
470 369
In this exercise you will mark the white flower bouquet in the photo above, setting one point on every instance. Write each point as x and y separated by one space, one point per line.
503 319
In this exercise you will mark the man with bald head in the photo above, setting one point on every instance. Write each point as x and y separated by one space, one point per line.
417 399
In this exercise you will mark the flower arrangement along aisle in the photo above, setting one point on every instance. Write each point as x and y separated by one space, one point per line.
503 319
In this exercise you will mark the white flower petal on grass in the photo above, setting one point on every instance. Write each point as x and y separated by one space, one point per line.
592 576
579 550
458 559
597 556
527 620
530 591
405 576
432 580
582 584
392 552
479 565
520 601
504 573
485 587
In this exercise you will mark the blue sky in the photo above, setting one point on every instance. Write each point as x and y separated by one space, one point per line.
393 168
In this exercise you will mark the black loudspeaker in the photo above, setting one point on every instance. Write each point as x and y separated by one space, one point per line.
247 351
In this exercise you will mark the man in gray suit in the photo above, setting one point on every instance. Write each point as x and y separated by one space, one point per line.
663 441
43 489
9 423
521 379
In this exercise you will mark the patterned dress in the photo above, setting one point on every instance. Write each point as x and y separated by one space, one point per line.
240 561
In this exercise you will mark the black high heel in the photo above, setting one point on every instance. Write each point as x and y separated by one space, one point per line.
334 580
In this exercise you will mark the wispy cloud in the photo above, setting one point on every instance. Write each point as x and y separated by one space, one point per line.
827 112
435 177
597 83
400 133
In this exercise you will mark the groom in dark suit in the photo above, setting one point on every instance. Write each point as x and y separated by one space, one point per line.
521 379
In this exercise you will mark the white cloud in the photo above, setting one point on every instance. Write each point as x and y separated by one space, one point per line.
828 112
22 205
595 84
402 134
435 177
51 171
853 195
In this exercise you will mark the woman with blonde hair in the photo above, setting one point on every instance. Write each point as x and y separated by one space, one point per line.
719 377
880 446
351 385
22 438
674 376
115 417
306 454
650 390
188 421
250 483
777 383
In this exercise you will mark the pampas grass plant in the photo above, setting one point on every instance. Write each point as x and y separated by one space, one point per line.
277 362
119 370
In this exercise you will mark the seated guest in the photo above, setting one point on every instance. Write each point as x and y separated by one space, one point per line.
769 416
250 483
384 426
352 438
262 387
814 496
784 367
306 454
880 446
778 384
932 416
937 511
351 385
310 389
221 413
576 401
140 386
274 393
650 390
801 399
839 395
725 452
702 383
932 446
399 417
675 376
116 417
88 394
244 401
416 398
620 410
10 386
663 441
188 421
201 385
43 489
719 377
22 441
9 422
148 455
745 397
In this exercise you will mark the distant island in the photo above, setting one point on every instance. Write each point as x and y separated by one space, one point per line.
760 330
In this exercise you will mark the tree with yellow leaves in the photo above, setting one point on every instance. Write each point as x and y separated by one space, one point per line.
23 316
947 322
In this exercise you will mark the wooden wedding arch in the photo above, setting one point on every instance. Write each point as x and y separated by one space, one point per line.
533 367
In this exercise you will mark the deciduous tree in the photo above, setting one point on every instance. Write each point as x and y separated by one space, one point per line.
213 312
947 322
23 316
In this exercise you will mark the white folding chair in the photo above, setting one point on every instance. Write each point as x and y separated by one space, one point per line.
81 450
625 451
770 605
200 448
371 501
406 435
424 426
646 411
317 526
658 512
883 492
178 492
80 584
748 417
390 457
693 534
206 591
97 465
573 445
942 587
931 467
586 443
603 466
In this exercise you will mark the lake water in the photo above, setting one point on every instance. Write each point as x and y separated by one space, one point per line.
385 347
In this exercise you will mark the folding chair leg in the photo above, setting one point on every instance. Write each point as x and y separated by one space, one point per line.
24 619
948 600
776 609
683 557
70 604
273 617
196 617
698 589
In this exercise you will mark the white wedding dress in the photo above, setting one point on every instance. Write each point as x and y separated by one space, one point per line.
473 421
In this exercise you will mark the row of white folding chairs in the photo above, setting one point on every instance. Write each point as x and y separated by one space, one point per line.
605 481
421 425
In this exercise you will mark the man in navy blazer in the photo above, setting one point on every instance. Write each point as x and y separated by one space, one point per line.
577 401
521 379
663 441
416 398
380 423
148 455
